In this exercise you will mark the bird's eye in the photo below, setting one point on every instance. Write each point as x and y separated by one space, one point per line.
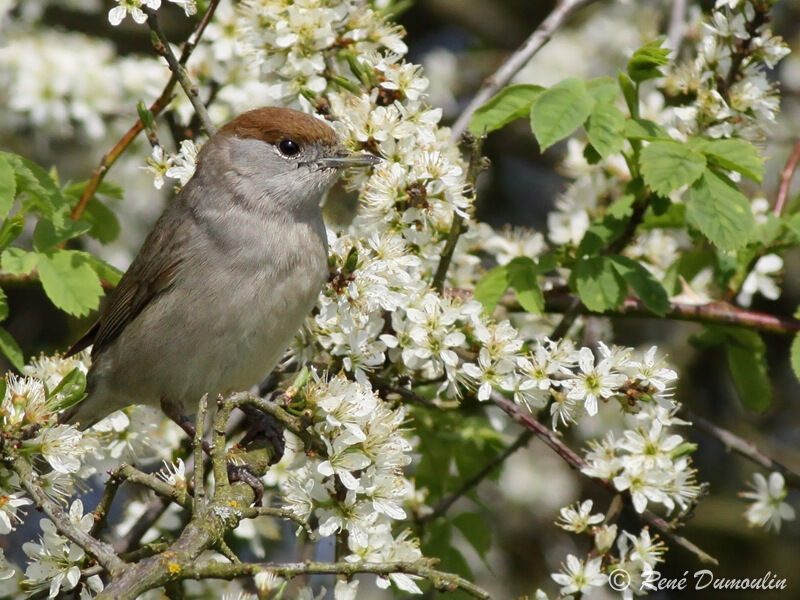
289 147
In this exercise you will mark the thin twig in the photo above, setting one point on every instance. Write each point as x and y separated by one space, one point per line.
443 505
441 580
156 107
219 462
457 227
731 441
576 462
159 486
786 180
102 552
516 61
715 313
104 506
199 464
163 48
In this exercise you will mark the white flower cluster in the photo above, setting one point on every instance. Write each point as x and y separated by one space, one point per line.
358 487
732 94
134 9
45 84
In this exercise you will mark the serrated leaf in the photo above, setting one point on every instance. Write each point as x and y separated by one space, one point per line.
106 188
642 129
603 89
748 366
47 235
674 216
104 224
104 271
559 111
10 230
512 102
42 193
522 276
720 211
646 287
605 129
608 228
10 348
70 282
669 165
17 261
644 63
597 283
8 187
794 355
732 154
491 288
475 529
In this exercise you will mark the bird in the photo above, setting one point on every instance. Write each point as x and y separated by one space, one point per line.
227 275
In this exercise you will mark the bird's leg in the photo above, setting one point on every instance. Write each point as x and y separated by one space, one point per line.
263 445
176 412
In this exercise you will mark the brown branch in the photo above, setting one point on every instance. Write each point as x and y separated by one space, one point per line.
731 441
578 463
442 581
786 179
156 108
162 48
516 61
444 505
103 553
713 313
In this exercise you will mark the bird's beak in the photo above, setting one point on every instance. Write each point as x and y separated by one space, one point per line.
343 161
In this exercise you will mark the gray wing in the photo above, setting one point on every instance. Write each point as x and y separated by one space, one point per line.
151 273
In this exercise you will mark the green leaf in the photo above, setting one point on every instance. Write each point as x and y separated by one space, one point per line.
603 89
630 93
47 235
104 271
605 129
644 63
10 348
18 261
491 287
477 532
609 228
104 224
720 211
10 230
748 365
732 154
522 276
642 129
3 305
559 111
8 187
674 216
512 102
598 283
794 355
70 390
647 288
106 188
70 282
668 165
42 192
686 267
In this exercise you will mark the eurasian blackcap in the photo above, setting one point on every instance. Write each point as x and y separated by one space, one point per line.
228 273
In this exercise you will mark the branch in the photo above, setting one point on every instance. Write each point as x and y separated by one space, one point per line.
712 313
731 441
786 179
576 462
443 505
102 552
457 227
162 47
516 61
156 107
442 581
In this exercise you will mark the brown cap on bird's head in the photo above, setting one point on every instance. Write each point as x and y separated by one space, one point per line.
272 125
